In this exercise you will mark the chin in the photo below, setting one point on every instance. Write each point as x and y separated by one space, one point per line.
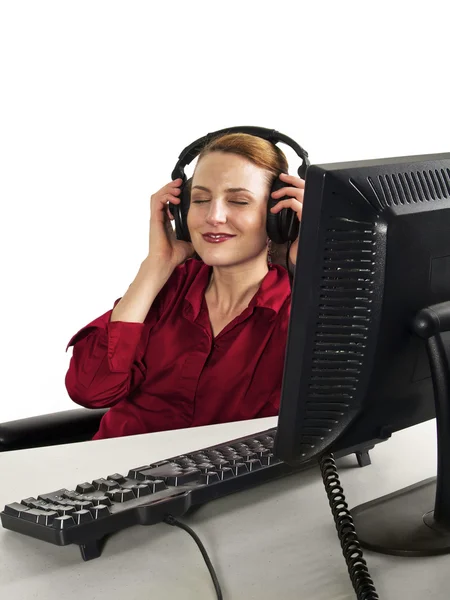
213 259
219 258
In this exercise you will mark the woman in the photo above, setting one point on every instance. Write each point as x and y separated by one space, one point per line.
195 342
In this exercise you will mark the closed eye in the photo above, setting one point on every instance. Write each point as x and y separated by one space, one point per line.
231 201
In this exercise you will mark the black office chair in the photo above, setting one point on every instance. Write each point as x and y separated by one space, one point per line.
68 426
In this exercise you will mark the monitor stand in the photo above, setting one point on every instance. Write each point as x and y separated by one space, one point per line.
415 521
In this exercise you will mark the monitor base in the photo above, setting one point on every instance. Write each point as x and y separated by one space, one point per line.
402 523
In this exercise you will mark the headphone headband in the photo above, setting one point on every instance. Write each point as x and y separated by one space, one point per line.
271 135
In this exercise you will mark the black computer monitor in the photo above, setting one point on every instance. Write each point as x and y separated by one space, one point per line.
367 349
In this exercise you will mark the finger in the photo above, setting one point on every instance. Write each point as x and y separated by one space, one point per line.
161 204
288 191
296 205
165 198
298 181
173 186
169 214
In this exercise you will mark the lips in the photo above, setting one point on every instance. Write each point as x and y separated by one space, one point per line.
217 238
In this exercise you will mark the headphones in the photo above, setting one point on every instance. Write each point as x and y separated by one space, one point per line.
282 227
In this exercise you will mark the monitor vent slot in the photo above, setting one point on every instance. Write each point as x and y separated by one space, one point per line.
411 187
342 327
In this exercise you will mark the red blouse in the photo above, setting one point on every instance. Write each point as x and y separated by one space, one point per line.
170 372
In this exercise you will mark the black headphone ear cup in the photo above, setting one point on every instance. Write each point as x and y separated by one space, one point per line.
283 226
185 201
272 222
180 211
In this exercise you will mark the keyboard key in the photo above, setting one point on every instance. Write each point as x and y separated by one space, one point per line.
269 459
266 440
254 443
64 510
133 473
104 484
39 504
121 495
85 488
239 468
161 463
226 449
218 463
210 477
15 509
253 464
205 466
199 460
99 511
83 505
234 460
142 489
187 476
260 452
248 456
239 447
71 495
29 502
49 507
41 517
116 477
160 472
225 473
186 463
214 454
63 522
54 497
82 516
156 485
101 500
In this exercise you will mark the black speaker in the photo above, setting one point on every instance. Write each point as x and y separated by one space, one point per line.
281 227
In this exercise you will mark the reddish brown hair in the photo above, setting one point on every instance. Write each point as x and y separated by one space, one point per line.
260 152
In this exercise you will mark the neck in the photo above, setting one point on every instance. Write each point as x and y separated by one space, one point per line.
231 288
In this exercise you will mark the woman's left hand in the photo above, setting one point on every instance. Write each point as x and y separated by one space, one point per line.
295 188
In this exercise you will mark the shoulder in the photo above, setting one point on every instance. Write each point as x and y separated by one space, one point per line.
281 276
275 290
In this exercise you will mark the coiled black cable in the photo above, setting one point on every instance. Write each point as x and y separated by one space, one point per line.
351 548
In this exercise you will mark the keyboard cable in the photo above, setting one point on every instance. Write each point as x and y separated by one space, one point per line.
170 520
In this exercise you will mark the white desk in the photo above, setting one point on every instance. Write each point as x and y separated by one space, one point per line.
275 541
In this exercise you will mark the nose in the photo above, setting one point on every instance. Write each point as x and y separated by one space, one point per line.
216 213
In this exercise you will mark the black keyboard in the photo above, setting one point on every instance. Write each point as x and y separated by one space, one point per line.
147 493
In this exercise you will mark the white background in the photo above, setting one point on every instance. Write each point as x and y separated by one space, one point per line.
98 98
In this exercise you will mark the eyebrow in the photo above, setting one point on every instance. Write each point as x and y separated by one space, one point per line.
235 189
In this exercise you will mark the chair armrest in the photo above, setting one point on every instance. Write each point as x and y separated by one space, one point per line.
52 429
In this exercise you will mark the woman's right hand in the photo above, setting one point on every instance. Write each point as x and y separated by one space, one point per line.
164 248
